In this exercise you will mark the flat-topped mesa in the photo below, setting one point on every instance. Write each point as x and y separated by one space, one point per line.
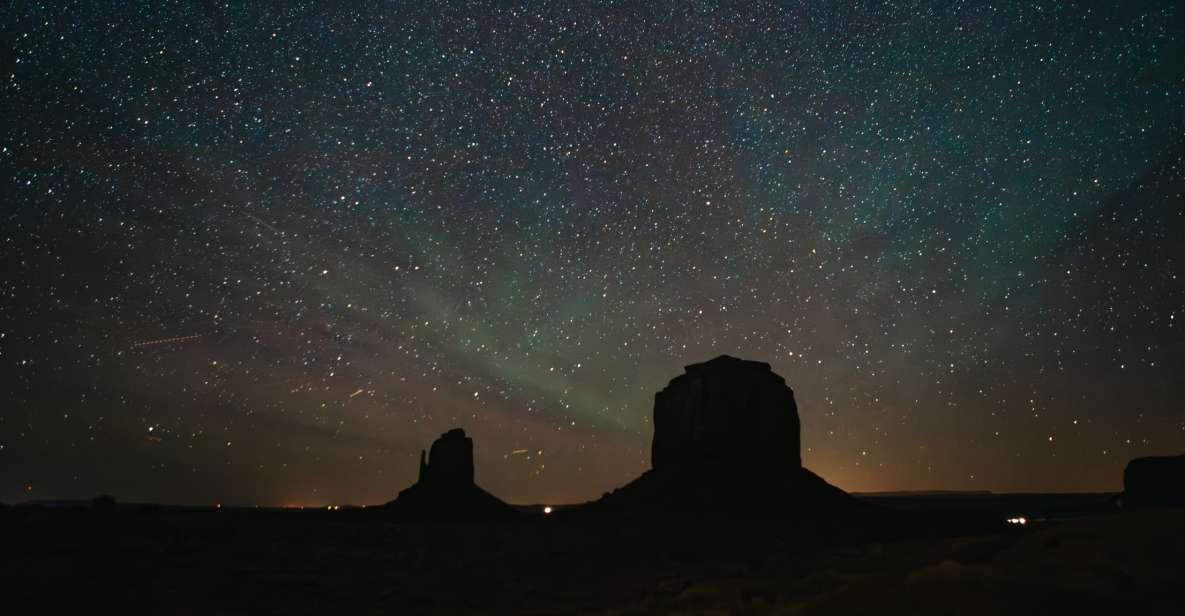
727 414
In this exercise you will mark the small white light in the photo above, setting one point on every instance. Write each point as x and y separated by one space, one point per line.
547 510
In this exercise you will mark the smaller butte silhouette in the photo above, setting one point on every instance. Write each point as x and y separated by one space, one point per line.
726 440
1157 481
446 488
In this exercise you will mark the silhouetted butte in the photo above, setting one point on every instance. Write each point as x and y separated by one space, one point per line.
1154 482
726 440
446 488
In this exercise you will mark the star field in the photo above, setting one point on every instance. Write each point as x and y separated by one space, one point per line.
263 254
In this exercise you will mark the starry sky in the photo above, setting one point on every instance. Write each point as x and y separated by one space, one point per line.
265 253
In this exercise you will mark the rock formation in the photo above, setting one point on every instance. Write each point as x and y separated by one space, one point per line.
1154 482
452 460
726 440
726 412
446 488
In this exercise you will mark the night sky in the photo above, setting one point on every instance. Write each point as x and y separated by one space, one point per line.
265 255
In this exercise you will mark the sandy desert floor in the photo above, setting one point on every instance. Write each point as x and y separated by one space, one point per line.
207 562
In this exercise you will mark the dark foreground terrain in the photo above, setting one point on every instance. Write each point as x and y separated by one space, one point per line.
349 562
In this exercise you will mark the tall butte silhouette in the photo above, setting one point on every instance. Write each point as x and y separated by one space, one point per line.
446 488
726 440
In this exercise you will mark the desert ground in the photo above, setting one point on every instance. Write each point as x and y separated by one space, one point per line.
207 561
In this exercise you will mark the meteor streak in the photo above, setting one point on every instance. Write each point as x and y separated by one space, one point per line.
165 341
263 222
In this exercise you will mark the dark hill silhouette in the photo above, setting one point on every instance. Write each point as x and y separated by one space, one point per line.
446 489
1154 482
726 440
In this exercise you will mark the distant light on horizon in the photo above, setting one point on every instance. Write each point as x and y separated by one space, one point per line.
547 510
